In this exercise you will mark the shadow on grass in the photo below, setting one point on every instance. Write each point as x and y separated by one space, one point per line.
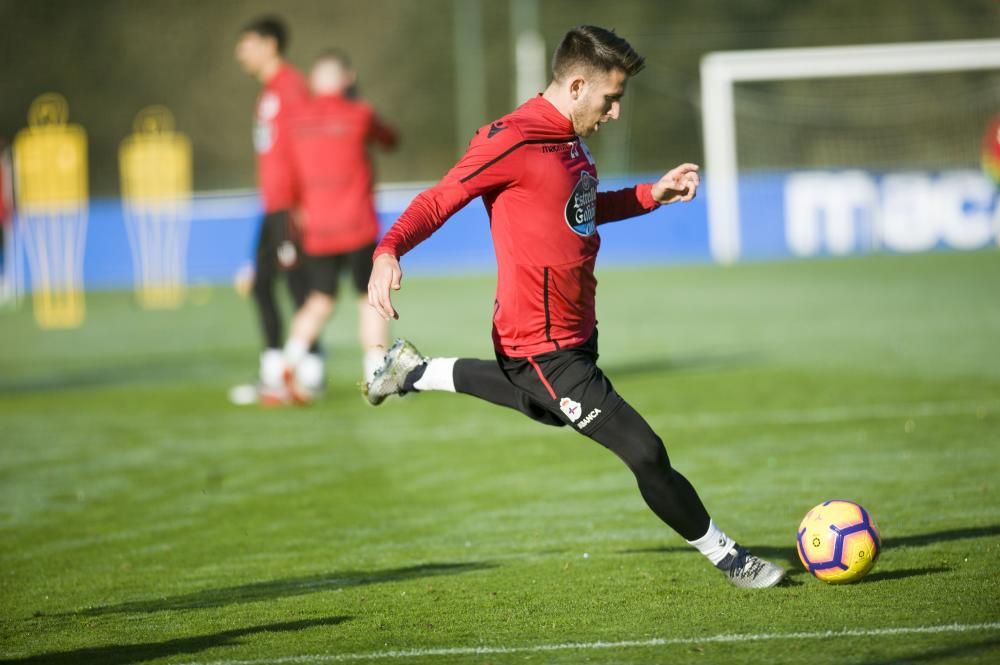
905 572
281 588
979 648
677 364
921 539
795 572
137 371
138 653
789 553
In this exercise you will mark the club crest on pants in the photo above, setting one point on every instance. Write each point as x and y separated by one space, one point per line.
570 408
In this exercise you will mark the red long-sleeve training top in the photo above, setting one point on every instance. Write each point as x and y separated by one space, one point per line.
539 184
330 137
282 93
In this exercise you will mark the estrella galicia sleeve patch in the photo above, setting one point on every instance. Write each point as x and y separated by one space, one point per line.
581 208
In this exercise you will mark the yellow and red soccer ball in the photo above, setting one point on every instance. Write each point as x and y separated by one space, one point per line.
838 542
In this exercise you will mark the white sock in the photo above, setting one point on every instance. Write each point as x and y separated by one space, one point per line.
439 375
715 544
295 350
272 368
371 361
311 372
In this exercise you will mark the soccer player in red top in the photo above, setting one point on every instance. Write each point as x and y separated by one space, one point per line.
330 137
6 215
539 184
990 153
260 51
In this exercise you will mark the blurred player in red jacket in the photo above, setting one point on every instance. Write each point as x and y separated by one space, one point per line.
6 217
991 150
260 51
330 139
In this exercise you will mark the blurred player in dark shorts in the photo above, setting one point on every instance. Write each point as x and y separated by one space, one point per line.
260 51
330 139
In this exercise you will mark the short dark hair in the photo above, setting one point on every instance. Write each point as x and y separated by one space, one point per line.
269 26
598 48
337 55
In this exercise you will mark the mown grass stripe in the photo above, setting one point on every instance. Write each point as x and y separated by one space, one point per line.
832 414
723 638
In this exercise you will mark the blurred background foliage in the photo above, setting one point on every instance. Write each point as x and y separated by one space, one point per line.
112 57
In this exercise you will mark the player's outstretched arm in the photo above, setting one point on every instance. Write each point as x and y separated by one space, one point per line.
382 133
679 184
387 276
488 164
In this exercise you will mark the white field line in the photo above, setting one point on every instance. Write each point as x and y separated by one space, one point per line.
623 644
833 414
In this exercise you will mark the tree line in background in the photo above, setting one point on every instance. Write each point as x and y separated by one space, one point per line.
112 57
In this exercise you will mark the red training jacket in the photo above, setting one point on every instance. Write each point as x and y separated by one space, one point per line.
284 91
330 136
539 184
4 182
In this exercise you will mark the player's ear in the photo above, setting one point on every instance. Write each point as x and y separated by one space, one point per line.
271 44
576 85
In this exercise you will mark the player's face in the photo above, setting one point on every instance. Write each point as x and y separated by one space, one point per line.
598 100
330 77
252 51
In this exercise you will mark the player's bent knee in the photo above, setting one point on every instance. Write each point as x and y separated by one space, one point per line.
642 454
630 437
320 303
648 454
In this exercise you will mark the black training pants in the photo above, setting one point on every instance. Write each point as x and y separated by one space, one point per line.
274 230
567 388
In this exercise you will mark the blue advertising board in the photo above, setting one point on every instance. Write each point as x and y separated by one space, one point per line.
782 215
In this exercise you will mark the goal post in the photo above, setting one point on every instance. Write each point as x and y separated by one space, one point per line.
721 71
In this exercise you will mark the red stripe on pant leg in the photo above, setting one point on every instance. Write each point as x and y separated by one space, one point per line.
541 376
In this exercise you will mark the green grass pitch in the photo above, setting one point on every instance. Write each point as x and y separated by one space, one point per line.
145 520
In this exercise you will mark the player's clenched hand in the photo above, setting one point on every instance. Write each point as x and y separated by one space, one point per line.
678 184
386 276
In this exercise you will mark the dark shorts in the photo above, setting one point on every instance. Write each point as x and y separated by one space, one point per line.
564 387
277 244
324 270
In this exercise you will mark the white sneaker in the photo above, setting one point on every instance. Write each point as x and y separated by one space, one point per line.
272 369
310 374
297 393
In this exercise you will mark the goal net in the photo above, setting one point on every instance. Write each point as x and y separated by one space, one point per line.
847 149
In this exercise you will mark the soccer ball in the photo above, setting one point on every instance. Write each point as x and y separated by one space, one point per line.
838 542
